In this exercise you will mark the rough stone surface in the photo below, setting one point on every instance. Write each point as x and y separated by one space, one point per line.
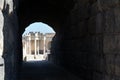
1 68
87 42
1 46
9 5
1 32
10 32
91 40
1 4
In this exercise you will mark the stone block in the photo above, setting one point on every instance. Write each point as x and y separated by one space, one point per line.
117 59
102 63
117 70
117 78
96 24
98 76
105 22
92 25
117 64
109 22
111 43
102 76
83 2
117 19
81 29
108 77
99 23
97 62
98 44
107 4
109 64
80 11
94 9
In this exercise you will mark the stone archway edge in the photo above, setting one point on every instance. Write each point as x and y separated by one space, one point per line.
1 40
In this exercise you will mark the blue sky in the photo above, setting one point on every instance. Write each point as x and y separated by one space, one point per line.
39 27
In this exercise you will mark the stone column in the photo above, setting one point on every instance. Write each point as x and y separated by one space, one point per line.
35 44
38 46
44 45
29 44
25 43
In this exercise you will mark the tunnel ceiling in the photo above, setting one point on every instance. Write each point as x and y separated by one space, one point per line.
48 11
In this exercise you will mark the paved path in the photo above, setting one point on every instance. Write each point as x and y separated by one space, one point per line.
44 70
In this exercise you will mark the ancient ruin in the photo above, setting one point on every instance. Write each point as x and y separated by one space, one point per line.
87 40
36 45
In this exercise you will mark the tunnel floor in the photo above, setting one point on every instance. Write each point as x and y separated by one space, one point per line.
44 70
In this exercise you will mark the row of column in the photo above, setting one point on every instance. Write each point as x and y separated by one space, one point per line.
27 45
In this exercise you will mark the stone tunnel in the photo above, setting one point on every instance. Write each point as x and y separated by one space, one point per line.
87 40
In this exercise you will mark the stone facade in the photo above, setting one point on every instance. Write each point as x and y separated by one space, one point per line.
36 46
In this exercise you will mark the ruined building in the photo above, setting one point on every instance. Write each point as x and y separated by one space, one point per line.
87 40
36 46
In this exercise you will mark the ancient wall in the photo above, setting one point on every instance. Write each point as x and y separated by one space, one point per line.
87 44
9 28
1 40
90 42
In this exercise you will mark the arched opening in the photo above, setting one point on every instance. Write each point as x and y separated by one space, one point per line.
36 41
55 13
87 38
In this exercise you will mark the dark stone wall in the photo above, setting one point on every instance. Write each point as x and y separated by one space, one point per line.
89 43
12 46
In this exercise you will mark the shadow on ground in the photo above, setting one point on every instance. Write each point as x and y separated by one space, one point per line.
44 70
